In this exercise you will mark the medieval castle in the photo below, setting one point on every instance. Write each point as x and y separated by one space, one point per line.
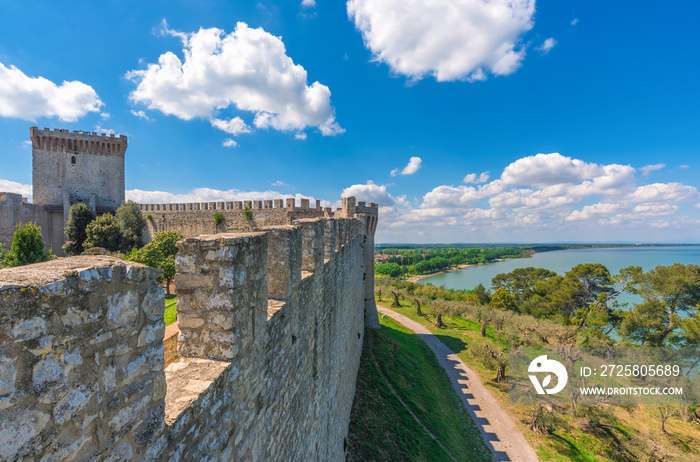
271 314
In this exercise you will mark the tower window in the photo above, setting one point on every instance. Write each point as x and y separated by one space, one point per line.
72 160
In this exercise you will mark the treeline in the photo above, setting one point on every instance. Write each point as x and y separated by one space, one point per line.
587 296
431 260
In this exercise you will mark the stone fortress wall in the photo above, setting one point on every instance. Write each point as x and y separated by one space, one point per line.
271 325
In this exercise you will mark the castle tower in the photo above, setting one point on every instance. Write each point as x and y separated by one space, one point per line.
69 167
369 214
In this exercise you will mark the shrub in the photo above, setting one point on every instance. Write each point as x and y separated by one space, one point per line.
131 225
247 213
149 217
160 253
218 218
103 232
79 216
27 246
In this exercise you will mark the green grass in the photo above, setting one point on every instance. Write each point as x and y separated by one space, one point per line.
381 426
170 313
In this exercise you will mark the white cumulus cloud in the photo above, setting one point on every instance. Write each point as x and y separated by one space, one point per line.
140 114
17 188
664 192
308 3
247 70
234 126
107 131
550 169
229 143
370 192
29 98
448 39
474 178
647 169
412 167
547 46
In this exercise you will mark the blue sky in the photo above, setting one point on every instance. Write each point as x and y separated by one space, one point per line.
467 121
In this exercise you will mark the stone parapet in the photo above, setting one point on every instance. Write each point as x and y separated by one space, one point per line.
81 359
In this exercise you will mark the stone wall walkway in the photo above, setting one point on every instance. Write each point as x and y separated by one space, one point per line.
497 428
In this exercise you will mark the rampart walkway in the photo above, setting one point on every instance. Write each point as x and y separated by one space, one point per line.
497 428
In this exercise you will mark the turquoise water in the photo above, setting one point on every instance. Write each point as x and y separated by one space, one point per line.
562 261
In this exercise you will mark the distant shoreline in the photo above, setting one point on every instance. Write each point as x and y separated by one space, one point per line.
417 279
423 276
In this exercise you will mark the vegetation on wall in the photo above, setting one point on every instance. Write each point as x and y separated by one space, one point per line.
247 213
218 218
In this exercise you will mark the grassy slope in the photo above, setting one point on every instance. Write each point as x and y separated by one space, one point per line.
170 315
381 428
630 438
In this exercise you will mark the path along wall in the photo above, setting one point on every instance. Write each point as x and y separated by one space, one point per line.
271 325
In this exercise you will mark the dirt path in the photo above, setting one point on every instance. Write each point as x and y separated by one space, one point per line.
504 439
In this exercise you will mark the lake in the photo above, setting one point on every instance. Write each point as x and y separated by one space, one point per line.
561 261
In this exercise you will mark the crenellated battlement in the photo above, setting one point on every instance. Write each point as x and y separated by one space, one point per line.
78 142
270 336
287 204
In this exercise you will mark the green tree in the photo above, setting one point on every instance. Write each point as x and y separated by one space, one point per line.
670 294
521 283
79 216
131 224
27 246
160 253
502 299
103 232
482 296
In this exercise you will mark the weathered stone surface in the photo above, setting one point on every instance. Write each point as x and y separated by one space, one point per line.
71 404
122 308
27 329
17 429
151 333
73 327
8 375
